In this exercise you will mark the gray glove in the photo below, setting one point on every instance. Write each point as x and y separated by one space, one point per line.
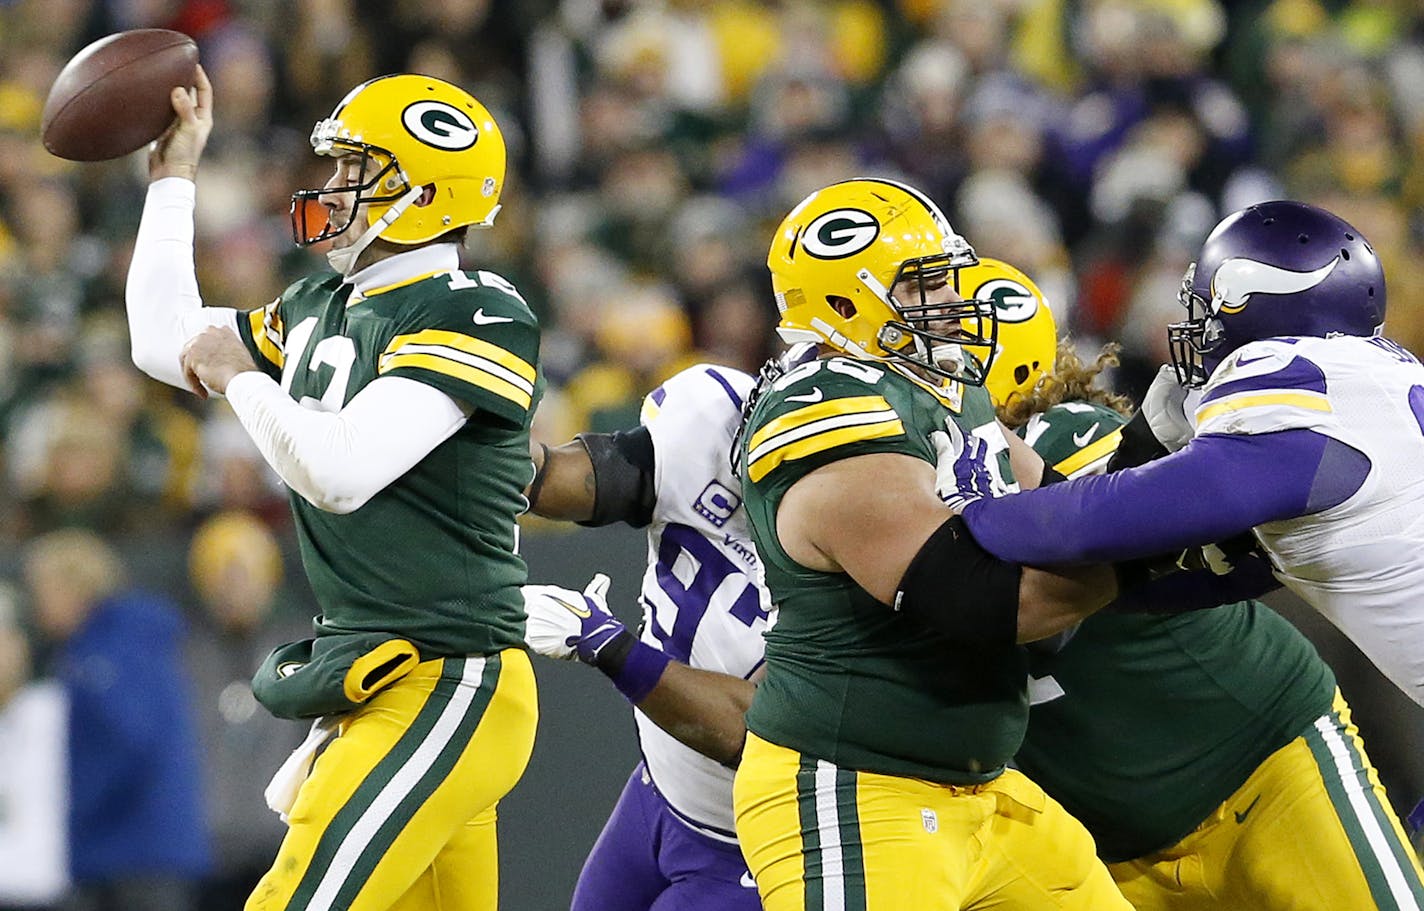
1169 407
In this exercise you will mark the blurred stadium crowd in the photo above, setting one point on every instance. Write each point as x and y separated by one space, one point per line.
654 143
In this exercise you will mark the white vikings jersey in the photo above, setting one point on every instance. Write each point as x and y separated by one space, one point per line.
1360 563
702 599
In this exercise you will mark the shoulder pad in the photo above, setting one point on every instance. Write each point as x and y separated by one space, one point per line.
713 392
1265 387
322 282
469 338
816 408
479 299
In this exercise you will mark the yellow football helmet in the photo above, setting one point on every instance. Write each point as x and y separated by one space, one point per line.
412 132
1028 336
836 258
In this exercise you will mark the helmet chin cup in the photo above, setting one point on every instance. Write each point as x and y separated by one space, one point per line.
949 358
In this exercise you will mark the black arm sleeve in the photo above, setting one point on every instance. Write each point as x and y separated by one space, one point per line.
623 464
1138 447
962 590
1050 475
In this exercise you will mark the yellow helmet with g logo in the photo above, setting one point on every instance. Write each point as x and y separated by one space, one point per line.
839 255
1028 336
412 133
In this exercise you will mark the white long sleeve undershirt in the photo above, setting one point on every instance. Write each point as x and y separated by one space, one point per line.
337 461
161 296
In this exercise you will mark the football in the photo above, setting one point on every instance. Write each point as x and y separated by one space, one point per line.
112 98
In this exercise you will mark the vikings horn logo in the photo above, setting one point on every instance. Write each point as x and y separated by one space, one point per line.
1237 279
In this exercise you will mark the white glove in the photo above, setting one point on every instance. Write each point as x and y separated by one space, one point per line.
1169 407
559 618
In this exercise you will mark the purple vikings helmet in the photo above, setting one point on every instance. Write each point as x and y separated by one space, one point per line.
1276 269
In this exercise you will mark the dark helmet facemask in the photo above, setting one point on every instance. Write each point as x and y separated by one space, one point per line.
1192 340
371 157
955 340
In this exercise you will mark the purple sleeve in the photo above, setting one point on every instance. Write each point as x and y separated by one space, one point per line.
1217 486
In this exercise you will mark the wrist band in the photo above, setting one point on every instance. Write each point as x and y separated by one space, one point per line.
634 667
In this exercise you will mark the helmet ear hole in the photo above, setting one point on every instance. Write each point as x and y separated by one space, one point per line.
842 305
427 195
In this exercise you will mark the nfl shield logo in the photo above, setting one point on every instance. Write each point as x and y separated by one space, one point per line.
930 820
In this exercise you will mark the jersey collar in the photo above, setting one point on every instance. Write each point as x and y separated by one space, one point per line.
403 267
951 392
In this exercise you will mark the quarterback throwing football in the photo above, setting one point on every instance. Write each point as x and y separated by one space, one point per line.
393 396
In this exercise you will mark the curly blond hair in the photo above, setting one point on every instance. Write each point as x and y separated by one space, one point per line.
1072 380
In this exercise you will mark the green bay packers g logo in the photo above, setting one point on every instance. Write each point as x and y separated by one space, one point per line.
1012 301
840 233
441 125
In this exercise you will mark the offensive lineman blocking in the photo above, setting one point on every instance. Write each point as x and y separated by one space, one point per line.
874 773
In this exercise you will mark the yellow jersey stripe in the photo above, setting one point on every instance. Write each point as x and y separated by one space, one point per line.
834 422
1306 400
266 345
463 357
462 342
1089 454
460 371
799 449
833 407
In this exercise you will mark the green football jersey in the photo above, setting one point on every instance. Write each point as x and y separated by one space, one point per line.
848 679
434 557
1142 725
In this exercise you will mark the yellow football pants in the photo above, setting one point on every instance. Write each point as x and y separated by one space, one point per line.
399 811
1310 829
821 838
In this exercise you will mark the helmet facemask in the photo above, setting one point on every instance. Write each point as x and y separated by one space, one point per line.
1193 339
392 189
955 340
380 172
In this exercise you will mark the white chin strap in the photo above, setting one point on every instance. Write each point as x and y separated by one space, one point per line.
343 260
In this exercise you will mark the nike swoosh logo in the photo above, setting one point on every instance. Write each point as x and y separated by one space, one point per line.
576 610
1243 361
815 395
1242 814
481 319
747 881
1081 439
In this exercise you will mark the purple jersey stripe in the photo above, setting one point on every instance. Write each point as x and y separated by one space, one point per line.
722 381
1300 374
657 395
